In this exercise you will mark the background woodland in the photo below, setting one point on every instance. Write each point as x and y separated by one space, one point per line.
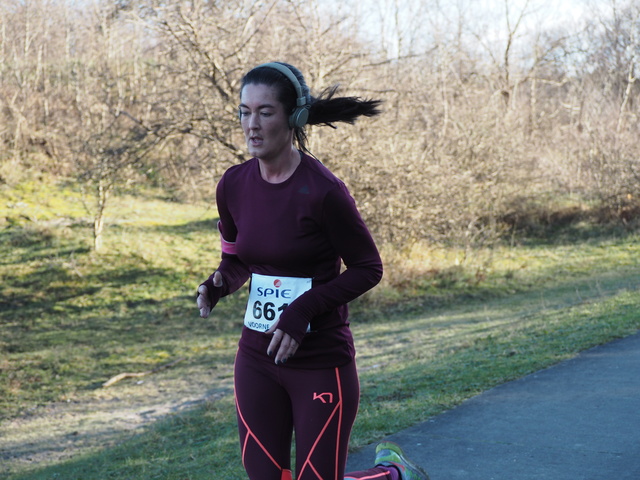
494 122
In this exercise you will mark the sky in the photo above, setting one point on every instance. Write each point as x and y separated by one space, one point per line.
488 17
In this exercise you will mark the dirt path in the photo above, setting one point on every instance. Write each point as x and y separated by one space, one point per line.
101 418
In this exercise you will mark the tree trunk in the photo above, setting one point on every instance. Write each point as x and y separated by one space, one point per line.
98 221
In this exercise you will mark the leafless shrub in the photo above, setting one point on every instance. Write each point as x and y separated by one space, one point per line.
477 127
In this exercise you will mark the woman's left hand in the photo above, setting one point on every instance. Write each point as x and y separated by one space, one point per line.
285 345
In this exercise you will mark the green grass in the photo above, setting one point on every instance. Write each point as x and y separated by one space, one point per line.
441 328
70 319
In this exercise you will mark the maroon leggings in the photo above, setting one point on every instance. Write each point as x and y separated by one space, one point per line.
319 404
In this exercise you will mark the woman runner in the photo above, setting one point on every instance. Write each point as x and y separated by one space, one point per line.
287 223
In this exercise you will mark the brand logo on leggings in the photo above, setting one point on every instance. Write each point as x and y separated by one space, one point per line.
326 397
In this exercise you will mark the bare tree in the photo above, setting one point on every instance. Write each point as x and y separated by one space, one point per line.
29 43
608 92
119 116
480 118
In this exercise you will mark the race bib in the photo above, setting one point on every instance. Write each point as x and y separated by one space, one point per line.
269 296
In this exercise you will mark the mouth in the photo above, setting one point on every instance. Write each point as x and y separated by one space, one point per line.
255 140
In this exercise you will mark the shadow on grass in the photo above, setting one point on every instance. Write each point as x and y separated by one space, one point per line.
208 225
37 243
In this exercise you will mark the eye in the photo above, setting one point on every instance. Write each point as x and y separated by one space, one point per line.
243 113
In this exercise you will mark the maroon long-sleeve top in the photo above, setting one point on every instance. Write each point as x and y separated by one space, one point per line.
303 227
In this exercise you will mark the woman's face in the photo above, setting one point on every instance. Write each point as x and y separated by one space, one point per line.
264 122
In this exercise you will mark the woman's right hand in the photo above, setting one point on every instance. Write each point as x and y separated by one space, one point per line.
204 304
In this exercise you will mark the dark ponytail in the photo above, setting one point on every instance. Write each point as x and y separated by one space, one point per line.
326 109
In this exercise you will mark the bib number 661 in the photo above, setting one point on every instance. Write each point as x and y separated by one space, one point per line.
268 311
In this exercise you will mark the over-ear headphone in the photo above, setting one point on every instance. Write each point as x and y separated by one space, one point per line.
300 115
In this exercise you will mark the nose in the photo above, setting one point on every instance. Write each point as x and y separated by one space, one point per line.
253 121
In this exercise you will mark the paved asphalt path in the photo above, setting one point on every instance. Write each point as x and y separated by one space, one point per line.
578 420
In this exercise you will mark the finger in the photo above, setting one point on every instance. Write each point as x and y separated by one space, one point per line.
275 341
204 305
203 301
288 346
217 279
292 348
